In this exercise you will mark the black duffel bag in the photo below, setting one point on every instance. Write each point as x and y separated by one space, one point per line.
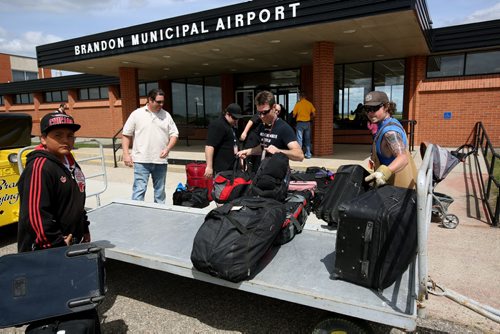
193 197
235 236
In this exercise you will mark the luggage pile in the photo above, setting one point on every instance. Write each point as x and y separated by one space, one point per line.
235 237
376 227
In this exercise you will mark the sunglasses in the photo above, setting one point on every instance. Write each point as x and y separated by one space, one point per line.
234 118
372 108
265 112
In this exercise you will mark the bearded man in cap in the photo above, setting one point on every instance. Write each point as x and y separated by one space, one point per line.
391 160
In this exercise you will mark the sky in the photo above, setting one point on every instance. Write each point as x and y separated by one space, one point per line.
24 24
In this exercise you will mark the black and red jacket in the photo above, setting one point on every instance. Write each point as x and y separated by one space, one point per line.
52 202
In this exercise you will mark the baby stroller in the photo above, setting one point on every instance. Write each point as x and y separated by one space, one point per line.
443 163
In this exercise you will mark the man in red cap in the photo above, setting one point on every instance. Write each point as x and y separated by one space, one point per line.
52 190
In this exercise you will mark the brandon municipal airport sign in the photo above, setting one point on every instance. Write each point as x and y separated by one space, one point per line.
189 30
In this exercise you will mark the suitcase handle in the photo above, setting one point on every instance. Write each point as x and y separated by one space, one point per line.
365 264
86 301
85 251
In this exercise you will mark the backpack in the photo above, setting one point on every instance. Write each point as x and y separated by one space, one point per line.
272 178
234 237
230 184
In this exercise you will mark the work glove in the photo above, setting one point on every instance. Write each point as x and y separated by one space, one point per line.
380 176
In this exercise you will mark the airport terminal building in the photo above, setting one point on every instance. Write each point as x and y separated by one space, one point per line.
445 79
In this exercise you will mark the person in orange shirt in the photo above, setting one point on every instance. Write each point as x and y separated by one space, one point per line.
304 113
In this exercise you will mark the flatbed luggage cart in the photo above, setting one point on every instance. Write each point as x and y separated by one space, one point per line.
309 259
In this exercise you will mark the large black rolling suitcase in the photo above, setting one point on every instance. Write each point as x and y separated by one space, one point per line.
376 237
50 283
348 183
235 236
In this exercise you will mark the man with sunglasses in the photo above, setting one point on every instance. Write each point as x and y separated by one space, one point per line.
275 134
154 134
222 142
391 159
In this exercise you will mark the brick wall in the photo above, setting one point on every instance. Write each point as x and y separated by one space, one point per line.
5 71
469 99
322 95
129 86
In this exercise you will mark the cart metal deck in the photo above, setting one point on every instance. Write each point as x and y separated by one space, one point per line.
161 237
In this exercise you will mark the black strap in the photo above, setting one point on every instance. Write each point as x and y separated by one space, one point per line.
238 226
296 223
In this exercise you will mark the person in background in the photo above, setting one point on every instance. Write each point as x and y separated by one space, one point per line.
304 113
222 142
62 109
154 134
52 200
392 161
274 133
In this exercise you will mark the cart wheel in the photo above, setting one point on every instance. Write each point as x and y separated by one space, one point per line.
450 221
339 326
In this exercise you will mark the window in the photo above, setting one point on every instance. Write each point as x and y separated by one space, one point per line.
24 98
482 63
196 101
473 63
179 109
353 81
94 93
357 83
145 88
445 66
213 95
389 77
23 75
56 96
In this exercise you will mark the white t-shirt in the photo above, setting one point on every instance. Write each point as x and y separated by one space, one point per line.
151 132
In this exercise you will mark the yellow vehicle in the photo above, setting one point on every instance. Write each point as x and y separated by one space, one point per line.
15 133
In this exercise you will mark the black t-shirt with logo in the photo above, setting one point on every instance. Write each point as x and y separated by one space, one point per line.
280 134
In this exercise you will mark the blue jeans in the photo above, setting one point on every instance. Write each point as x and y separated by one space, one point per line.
304 136
141 176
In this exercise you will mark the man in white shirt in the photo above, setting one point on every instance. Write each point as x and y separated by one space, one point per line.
154 135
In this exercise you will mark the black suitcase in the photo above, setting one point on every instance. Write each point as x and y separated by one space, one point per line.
348 183
50 283
234 237
376 237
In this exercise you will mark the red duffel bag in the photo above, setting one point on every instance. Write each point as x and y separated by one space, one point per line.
195 177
